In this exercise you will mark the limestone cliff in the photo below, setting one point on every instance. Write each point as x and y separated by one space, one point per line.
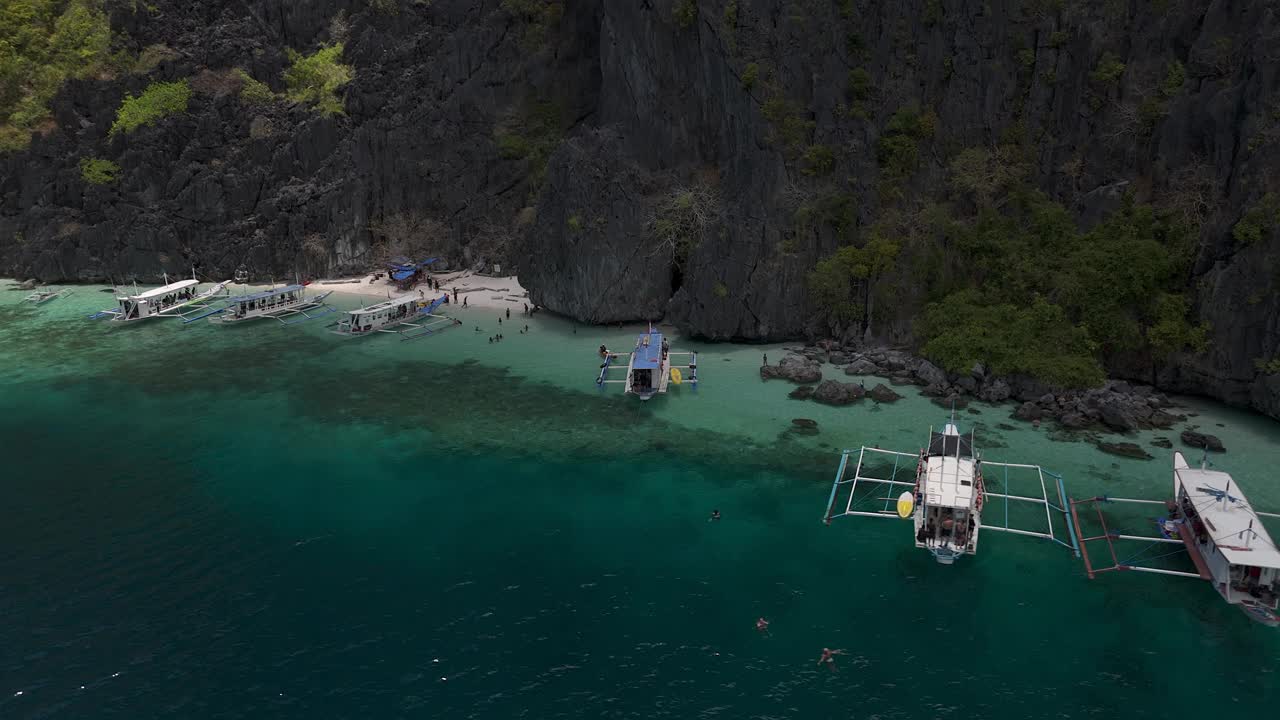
641 158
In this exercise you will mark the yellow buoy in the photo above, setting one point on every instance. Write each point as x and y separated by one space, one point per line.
906 503
676 377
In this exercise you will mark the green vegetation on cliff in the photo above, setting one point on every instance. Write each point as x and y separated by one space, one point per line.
160 99
42 44
316 78
1020 288
98 171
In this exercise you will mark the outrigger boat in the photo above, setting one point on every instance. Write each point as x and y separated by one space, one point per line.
415 318
946 497
288 305
649 368
43 296
1213 522
179 299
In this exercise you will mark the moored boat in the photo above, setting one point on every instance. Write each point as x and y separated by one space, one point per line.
650 371
176 299
287 304
44 295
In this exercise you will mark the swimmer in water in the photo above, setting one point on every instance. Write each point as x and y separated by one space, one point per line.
762 625
715 515
829 657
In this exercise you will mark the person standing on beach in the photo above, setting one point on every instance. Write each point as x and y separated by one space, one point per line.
455 296
508 313
766 358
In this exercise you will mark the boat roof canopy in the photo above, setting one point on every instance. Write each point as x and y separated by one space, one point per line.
165 290
385 305
941 444
1230 518
648 356
264 294
949 482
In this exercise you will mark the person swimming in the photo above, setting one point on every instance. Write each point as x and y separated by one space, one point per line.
715 515
762 624
829 657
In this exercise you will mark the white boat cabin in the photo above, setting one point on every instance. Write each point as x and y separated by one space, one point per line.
153 303
276 303
1227 535
377 317
948 496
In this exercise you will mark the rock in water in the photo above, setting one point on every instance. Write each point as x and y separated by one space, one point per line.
1200 440
805 423
1162 442
28 285
832 392
796 368
804 392
1124 449
882 393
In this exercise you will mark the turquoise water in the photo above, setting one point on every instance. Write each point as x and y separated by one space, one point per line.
269 521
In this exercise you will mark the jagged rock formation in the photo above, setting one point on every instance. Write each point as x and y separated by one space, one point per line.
691 160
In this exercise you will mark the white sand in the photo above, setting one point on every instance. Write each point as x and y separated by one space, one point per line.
477 290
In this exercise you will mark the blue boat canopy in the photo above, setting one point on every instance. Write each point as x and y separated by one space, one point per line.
648 355
405 265
264 294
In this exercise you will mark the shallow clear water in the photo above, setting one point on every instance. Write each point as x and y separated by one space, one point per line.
269 521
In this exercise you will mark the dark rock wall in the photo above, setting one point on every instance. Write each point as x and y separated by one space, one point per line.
643 104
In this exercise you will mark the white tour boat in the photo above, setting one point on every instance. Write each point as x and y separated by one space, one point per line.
172 300
946 497
44 295
289 304
415 318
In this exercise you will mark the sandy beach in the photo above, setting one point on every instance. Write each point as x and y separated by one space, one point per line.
477 290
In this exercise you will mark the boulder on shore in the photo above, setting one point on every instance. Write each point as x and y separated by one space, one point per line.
1115 417
832 392
1201 440
929 374
1028 411
1075 421
861 366
28 285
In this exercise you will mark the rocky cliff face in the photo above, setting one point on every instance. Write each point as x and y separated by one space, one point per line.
641 158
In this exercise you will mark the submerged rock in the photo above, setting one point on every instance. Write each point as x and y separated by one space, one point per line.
805 423
1201 440
832 392
1162 442
804 392
1124 449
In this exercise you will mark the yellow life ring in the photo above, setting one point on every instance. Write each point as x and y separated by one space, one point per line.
676 377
